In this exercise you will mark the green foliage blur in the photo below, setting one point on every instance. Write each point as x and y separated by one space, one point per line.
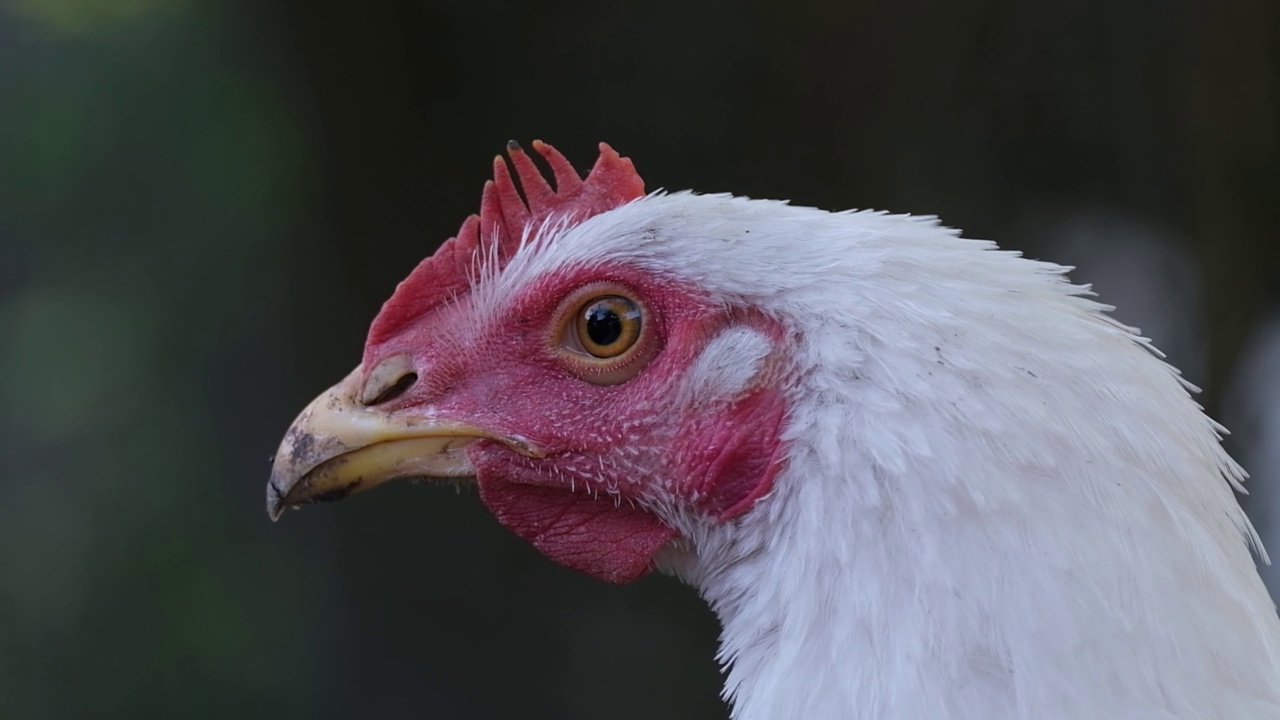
150 178
203 203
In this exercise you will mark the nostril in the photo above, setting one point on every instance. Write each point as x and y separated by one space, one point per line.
396 389
388 381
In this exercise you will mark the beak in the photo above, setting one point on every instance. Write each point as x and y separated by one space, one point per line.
339 446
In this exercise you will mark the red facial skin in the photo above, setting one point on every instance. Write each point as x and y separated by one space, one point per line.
613 453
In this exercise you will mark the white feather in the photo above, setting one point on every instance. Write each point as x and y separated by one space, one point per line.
997 502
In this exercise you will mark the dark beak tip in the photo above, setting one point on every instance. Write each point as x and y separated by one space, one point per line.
275 501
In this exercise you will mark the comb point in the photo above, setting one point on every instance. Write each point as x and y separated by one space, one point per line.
537 191
567 179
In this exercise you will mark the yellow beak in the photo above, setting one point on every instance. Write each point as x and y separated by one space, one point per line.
339 445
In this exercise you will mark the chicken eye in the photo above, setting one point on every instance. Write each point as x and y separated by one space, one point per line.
604 334
608 326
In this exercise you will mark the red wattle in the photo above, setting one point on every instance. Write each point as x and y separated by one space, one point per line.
614 543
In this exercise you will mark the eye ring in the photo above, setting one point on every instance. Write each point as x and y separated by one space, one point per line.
604 333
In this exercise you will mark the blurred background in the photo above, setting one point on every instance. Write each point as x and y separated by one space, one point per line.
203 203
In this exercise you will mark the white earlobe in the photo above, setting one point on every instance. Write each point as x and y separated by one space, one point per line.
728 366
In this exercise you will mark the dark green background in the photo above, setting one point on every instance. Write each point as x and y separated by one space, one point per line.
202 205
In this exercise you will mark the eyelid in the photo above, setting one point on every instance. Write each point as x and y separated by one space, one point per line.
569 339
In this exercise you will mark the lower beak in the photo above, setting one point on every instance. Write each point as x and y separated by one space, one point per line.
338 446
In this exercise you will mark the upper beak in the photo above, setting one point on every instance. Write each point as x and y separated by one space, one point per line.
339 445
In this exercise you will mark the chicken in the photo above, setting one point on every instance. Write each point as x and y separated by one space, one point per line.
914 476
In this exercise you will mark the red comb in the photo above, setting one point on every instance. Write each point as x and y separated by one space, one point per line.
504 216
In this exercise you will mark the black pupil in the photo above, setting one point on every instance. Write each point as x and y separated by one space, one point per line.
604 327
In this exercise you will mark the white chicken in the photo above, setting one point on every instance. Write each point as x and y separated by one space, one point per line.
915 476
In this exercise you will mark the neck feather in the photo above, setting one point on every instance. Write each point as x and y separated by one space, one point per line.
1039 535
997 502
979 610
